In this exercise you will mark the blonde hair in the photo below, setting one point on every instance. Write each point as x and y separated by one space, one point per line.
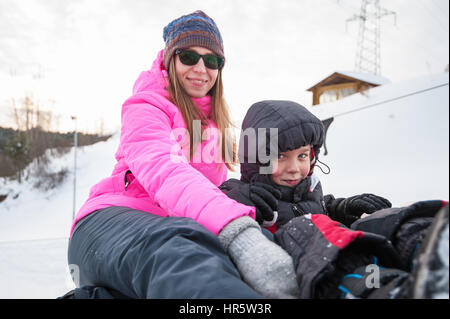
220 115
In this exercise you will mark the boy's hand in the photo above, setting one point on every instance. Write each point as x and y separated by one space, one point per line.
364 203
348 210
262 196
265 198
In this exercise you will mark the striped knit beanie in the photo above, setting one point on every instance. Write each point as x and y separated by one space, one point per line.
195 29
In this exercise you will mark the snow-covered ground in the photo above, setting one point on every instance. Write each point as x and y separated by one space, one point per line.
392 141
34 269
34 227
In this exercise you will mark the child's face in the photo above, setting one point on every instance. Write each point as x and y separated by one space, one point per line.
292 167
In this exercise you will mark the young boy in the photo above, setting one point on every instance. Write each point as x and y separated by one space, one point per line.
330 259
291 184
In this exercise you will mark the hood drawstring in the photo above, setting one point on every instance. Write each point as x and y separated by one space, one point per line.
314 161
329 169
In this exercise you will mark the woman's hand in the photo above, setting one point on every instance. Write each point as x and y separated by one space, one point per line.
264 265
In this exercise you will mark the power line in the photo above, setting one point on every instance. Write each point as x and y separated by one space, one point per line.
440 9
428 52
391 100
430 30
432 14
347 8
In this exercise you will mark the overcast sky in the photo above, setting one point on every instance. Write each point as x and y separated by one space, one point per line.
88 53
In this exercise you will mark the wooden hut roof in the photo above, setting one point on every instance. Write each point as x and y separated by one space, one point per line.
349 76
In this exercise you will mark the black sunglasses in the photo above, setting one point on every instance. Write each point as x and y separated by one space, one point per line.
211 61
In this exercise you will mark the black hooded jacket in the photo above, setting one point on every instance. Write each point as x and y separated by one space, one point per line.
296 127
323 250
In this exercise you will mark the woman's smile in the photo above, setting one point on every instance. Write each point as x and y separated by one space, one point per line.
197 82
196 79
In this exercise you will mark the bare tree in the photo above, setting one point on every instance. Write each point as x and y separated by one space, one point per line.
33 123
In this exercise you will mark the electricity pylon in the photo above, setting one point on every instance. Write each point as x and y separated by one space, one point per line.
368 46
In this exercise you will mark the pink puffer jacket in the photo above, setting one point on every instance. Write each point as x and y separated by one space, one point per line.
162 181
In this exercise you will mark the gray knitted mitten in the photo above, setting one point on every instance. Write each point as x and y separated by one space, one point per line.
264 265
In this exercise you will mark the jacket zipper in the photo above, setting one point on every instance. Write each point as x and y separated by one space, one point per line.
297 211
126 179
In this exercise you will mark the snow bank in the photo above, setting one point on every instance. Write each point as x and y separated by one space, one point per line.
393 140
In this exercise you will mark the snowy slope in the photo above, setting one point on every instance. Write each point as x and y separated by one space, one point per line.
398 149
392 141
41 215
35 226
34 269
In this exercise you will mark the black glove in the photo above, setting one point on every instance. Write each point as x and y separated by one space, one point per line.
348 210
262 196
408 238
373 282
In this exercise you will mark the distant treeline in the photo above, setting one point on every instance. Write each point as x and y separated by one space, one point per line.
19 148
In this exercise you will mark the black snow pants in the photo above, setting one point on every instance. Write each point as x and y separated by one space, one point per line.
139 255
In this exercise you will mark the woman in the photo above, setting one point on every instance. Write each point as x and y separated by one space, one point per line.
159 227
